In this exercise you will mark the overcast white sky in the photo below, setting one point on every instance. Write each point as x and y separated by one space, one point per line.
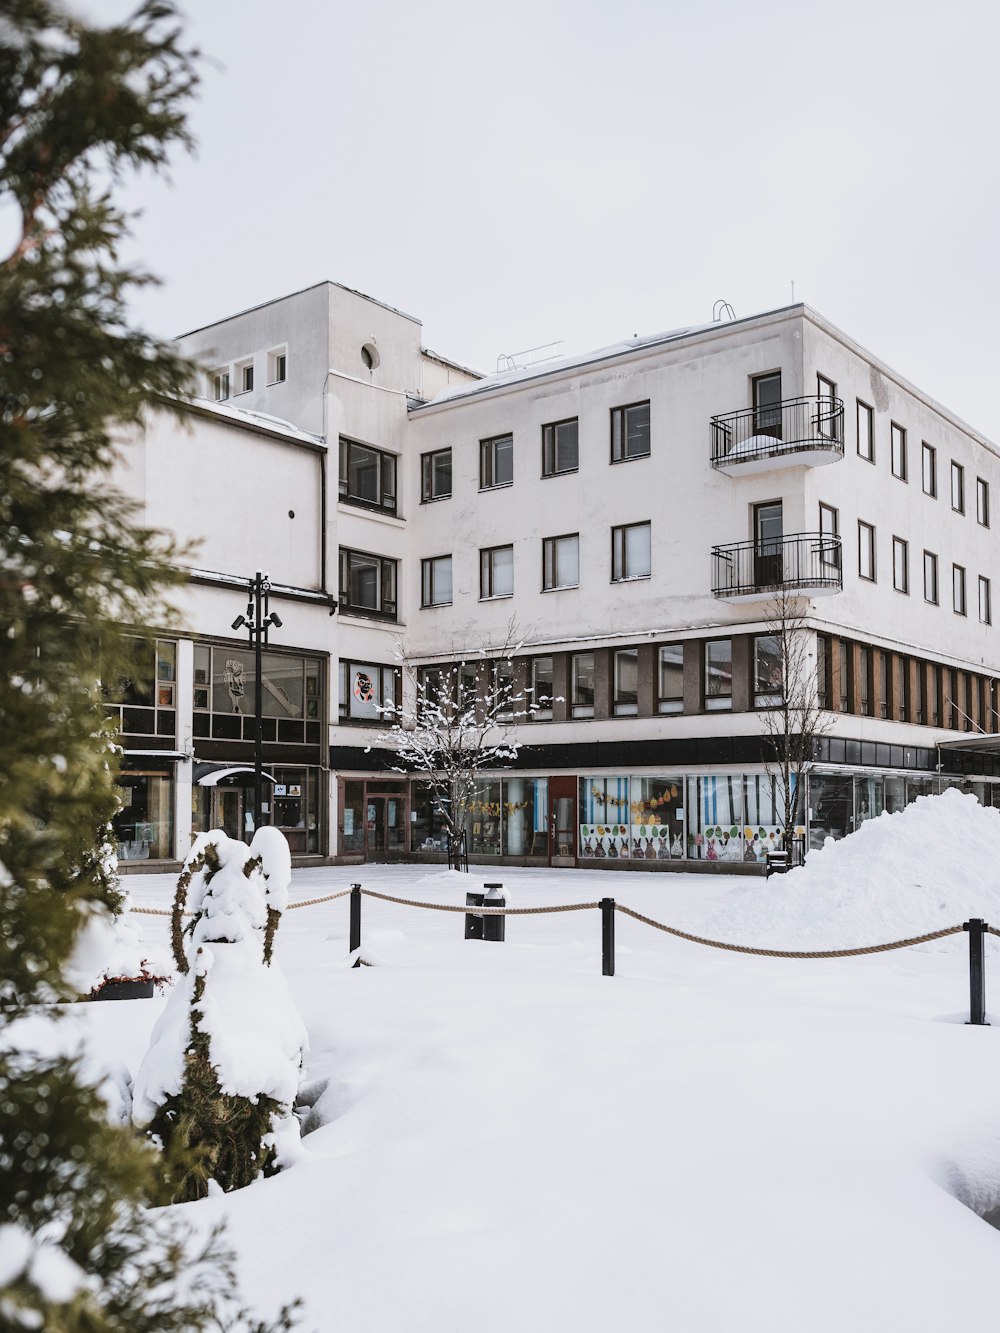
522 172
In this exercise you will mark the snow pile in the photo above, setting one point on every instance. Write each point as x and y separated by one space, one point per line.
931 865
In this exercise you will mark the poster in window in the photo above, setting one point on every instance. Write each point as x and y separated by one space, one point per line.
364 691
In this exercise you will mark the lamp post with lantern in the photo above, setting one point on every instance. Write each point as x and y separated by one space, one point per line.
258 620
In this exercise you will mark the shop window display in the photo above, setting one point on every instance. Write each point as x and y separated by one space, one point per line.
483 818
525 817
605 829
715 817
144 826
657 818
764 824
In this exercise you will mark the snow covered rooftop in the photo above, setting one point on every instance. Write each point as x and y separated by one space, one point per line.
258 420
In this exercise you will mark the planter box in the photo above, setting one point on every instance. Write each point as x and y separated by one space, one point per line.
125 990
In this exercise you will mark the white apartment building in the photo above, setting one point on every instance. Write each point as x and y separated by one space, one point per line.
633 511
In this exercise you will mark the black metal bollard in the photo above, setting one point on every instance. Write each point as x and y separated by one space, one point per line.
977 972
608 937
473 921
494 927
354 938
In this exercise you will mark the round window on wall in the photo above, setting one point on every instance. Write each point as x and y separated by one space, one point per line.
370 356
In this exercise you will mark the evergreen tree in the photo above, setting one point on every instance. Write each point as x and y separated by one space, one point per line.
79 105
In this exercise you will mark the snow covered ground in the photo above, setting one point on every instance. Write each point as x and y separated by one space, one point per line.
501 1138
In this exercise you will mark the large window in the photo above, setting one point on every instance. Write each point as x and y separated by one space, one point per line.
367 584
829 531
496 572
220 386
561 561
560 447
983 502
542 688
144 825
626 700
930 577
435 581
367 689
671 683
435 475
898 442
866 551
367 476
900 565
582 684
224 690
631 552
718 675
866 432
496 462
958 590
145 702
767 671
629 432
928 468
957 487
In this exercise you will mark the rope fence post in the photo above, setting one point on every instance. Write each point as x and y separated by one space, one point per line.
354 940
607 906
977 929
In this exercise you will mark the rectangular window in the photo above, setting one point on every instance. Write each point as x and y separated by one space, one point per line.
496 462
292 697
629 432
767 671
496 572
671 697
718 675
560 447
900 565
367 691
542 688
843 676
220 386
866 432
930 577
957 487
898 442
928 468
766 392
958 590
367 476
367 584
866 551
829 531
435 581
277 367
561 562
244 376
865 681
582 684
826 421
626 682
435 475
983 502
631 552
883 676
985 601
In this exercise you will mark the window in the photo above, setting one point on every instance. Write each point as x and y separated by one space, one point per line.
435 475
626 702
828 422
866 432
630 552
958 590
629 432
561 562
957 487
900 565
367 689
928 468
367 584
220 386
560 447
866 551
718 675
671 699
767 671
244 376
367 476
496 572
766 390
582 684
224 691
496 462
277 367
898 436
435 581
843 676
145 700
930 577
542 689
985 601
983 502
829 531
865 681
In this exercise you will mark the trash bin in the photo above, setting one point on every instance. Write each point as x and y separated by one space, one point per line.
473 923
493 926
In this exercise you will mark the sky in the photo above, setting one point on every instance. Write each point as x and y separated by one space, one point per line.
524 173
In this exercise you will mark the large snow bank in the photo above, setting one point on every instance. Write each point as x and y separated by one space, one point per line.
931 865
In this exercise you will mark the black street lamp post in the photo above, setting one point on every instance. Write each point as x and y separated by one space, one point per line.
258 621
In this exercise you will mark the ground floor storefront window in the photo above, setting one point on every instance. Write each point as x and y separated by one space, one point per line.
144 826
291 798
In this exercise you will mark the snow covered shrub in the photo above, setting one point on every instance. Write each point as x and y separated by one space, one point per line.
217 1086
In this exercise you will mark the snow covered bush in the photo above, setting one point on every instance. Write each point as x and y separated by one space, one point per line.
218 1084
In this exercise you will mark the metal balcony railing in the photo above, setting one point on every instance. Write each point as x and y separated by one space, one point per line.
806 560
792 426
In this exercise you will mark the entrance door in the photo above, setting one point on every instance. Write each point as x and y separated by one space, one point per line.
767 405
767 535
562 821
385 827
229 811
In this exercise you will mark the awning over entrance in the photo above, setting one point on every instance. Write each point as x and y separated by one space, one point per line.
210 775
980 743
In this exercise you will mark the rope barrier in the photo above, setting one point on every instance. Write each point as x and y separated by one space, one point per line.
992 930
790 953
479 911
311 902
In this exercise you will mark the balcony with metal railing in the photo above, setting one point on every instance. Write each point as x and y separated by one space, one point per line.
795 432
807 562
